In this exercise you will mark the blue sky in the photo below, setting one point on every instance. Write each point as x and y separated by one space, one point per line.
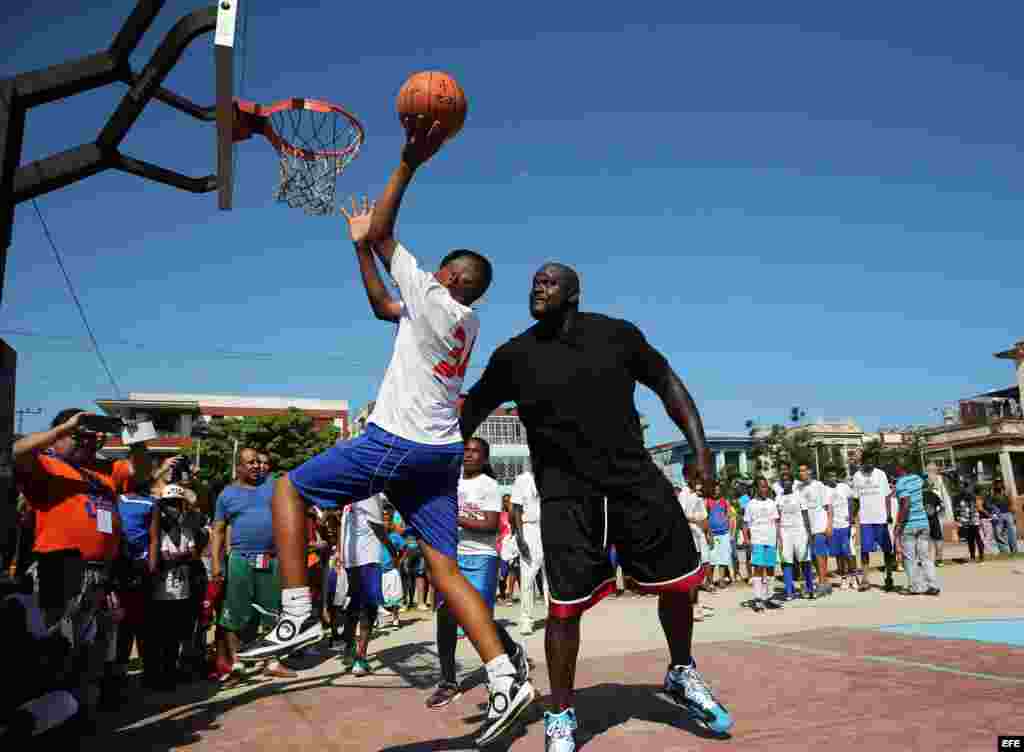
802 205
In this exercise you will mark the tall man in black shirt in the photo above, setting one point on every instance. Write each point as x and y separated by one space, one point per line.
573 376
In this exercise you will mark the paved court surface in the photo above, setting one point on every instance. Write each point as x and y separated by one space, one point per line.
813 674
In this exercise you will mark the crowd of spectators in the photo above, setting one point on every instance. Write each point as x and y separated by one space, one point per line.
120 561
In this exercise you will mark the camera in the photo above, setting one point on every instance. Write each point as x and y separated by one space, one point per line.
181 470
101 424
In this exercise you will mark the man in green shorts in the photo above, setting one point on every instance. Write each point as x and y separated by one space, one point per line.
252 579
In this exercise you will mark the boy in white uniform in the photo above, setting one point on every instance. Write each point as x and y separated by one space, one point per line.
763 536
819 511
526 508
839 497
696 512
871 489
794 538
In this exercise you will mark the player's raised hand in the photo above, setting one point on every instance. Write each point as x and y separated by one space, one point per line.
422 139
359 219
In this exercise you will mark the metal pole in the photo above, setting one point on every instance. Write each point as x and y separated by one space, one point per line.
27 411
234 459
199 446
817 468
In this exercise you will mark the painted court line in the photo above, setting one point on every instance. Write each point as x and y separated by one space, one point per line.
888 659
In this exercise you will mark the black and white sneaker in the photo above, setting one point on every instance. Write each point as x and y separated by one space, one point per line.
286 637
503 710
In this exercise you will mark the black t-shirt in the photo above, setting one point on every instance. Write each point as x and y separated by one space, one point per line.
574 392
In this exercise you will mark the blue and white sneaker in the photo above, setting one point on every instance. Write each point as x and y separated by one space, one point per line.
685 687
560 731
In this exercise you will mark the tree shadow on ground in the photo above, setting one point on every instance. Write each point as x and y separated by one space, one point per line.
599 709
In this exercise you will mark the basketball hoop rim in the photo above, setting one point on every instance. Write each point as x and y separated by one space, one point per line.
252 117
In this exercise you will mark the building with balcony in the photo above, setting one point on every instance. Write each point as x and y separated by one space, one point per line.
174 415
985 437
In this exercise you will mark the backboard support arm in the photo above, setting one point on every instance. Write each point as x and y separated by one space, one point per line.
19 94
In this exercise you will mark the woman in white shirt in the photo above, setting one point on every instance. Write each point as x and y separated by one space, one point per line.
171 614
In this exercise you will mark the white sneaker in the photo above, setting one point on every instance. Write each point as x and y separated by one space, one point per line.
505 706
287 636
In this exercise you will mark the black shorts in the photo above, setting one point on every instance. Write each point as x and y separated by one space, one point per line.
648 529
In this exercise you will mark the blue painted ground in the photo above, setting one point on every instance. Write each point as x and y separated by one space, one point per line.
1004 631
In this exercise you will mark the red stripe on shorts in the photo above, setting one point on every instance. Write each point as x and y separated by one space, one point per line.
568 610
681 585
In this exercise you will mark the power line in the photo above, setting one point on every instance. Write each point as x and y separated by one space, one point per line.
215 353
74 297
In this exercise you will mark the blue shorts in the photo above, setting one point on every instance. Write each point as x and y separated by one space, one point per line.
819 545
364 588
841 541
419 479
482 572
873 537
762 556
721 550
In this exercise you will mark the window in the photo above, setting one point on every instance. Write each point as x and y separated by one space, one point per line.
502 429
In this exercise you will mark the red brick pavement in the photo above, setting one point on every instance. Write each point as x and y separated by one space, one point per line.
815 689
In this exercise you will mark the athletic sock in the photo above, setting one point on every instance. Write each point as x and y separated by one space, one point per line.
297 602
757 590
787 577
500 673
765 591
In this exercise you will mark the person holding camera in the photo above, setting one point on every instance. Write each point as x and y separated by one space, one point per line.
73 494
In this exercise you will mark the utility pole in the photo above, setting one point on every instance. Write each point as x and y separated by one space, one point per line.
21 413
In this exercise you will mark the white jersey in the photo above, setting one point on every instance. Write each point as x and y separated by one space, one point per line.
693 507
525 495
359 544
435 338
873 491
476 496
817 500
762 517
840 505
791 513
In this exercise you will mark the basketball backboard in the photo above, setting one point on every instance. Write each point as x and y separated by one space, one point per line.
224 62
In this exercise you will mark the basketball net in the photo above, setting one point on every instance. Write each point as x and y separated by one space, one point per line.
316 147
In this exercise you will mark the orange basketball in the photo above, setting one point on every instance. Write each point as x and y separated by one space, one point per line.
436 95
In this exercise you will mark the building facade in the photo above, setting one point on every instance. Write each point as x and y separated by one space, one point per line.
987 439
727 450
176 415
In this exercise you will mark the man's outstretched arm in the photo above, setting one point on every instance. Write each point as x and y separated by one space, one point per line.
683 411
652 369
489 392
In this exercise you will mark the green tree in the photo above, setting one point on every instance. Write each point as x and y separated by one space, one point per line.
782 448
289 439
907 455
